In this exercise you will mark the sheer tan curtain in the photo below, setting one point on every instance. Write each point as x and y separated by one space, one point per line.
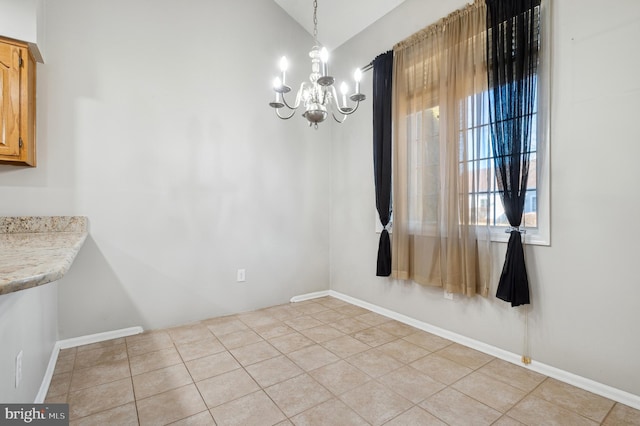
440 168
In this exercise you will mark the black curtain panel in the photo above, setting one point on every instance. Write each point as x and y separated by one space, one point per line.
513 29
382 83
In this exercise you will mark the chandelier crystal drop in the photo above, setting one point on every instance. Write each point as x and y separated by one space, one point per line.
318 96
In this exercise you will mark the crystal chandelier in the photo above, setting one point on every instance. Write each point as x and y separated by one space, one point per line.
317 96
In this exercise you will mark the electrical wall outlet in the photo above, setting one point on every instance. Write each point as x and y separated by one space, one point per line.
448 295
18 368
240 276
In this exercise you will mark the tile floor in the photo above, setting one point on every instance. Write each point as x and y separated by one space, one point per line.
316 362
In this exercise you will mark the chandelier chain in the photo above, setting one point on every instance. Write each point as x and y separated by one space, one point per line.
315 21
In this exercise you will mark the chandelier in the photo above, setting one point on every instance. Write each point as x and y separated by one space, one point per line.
317 96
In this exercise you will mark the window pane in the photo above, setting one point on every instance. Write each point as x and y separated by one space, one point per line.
476 156
530 218
500 216
484 141
534 132
533 172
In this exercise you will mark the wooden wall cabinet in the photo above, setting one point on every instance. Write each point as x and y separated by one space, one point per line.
17 104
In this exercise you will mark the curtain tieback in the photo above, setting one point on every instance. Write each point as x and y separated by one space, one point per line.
510 229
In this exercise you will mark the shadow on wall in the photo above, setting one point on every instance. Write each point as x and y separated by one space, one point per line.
91 297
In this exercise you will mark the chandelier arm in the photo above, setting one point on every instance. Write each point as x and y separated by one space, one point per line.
344 117
344 112
284 101
298 99
293 111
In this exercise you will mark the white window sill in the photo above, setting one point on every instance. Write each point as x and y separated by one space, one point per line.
533 236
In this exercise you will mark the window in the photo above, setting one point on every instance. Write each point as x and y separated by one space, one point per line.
536 218
484 201
485 204
425 161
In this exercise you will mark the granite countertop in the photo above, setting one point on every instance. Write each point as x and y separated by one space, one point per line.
36 250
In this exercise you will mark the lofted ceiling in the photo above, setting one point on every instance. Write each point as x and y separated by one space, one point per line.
338 20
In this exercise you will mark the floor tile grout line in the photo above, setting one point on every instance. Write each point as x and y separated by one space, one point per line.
498 378
450 386
371 378
422 408
110 408
301 313
99 384
303 372
107 409
502 417
73 369
483 403
604 419
133 389
241 366
526 395
314 406
569 409
588 419
193 382
337 396
147 353
264 389
376 379
370 348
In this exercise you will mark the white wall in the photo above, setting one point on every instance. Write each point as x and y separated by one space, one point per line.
24 20
585 286
19 19
153 121
28 323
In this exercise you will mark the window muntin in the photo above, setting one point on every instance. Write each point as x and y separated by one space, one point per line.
484 197
485 203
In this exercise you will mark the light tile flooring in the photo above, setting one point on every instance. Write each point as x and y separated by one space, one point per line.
316 362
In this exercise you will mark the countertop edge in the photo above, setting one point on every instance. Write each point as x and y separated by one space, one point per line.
41 263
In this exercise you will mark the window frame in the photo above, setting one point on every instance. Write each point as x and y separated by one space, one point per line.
540 235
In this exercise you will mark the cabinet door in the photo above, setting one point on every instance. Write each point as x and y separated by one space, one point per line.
9 100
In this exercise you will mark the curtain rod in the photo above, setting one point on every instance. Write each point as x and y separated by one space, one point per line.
369 66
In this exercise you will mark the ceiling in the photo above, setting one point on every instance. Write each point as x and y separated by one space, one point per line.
338 20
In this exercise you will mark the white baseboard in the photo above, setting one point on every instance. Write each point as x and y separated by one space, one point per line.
589 385
98 337
309 296
592 386
72 343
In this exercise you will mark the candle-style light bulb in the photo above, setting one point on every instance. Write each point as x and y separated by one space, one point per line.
277 85
284 64
324 57
344 89
357 76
